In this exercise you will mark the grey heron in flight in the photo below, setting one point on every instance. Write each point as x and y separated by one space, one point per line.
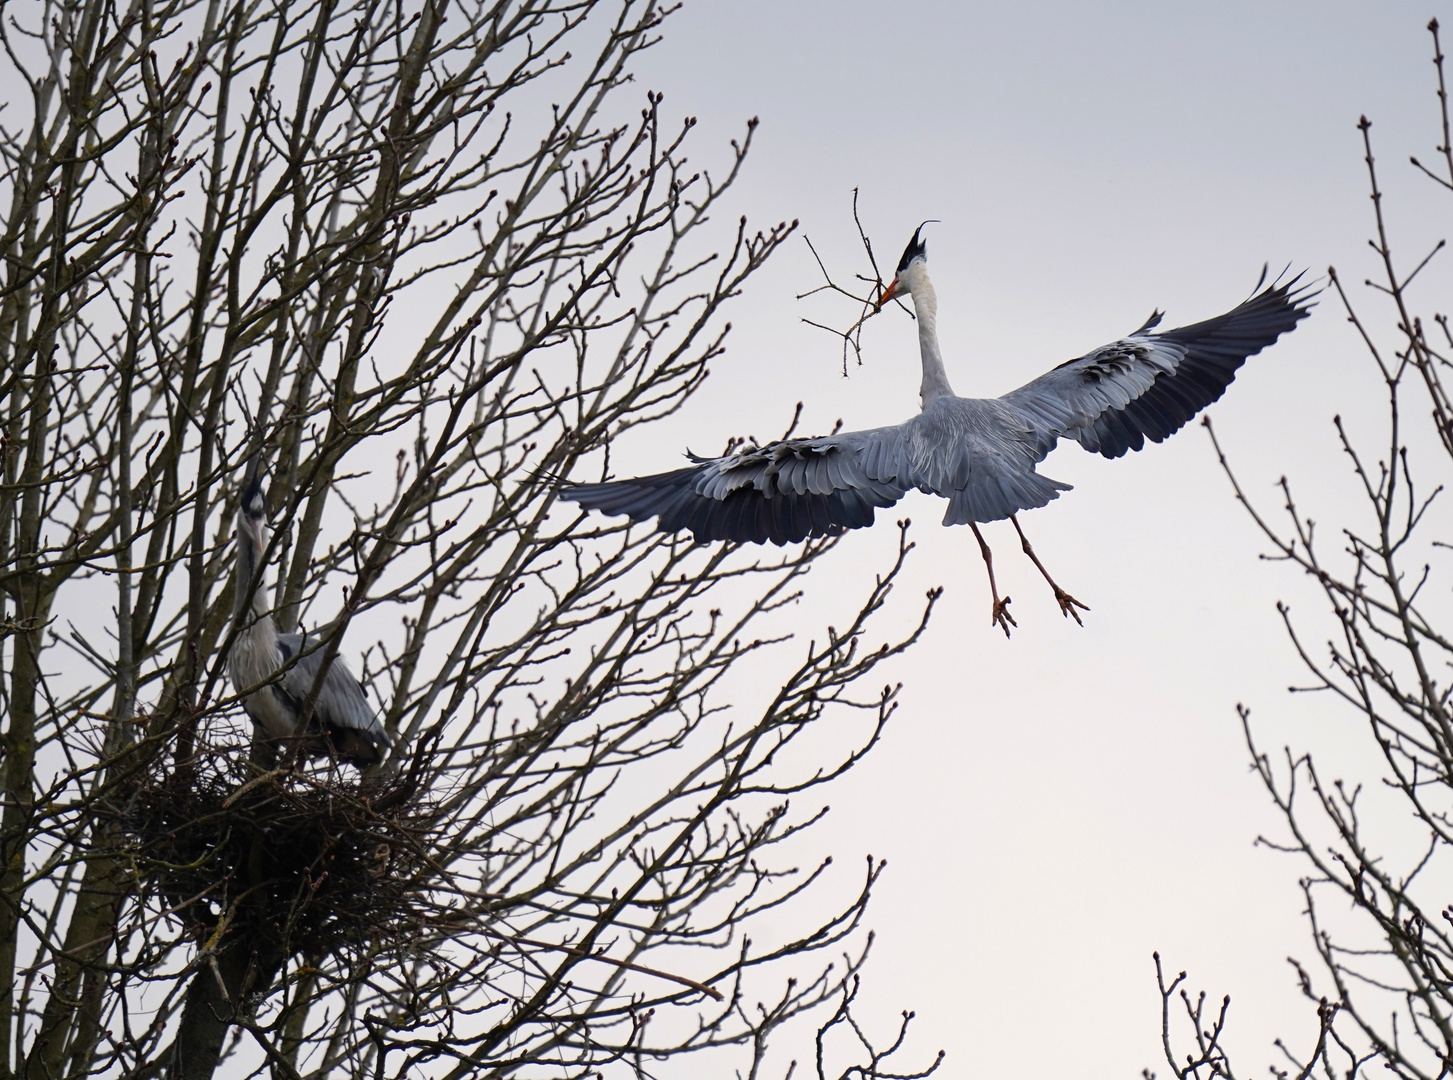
343 723
978 453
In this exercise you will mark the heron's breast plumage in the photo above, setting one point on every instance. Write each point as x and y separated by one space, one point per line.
254 658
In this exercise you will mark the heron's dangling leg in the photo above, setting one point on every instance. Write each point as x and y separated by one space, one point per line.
1067 603
1002 618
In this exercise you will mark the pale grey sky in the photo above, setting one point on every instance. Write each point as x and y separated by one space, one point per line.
1055 807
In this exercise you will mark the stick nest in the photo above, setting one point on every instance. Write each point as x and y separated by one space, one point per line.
330 865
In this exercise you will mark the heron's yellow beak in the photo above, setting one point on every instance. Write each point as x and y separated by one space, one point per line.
256 531
888 293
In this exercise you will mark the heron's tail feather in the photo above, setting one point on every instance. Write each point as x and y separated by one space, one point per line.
992 495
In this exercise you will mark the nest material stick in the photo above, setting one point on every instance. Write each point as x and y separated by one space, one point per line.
852 336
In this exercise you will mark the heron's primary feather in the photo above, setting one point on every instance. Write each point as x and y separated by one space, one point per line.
1148 385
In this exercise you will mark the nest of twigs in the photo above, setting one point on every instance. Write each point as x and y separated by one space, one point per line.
322 861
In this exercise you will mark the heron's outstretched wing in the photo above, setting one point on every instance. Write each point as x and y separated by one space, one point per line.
783 492
1148 385
341 702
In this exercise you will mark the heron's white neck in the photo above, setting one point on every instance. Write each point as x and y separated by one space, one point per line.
925 305
248 556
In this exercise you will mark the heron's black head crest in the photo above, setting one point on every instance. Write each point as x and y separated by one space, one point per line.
917 248
254 502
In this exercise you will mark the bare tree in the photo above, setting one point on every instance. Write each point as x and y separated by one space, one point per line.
421 260
1375 877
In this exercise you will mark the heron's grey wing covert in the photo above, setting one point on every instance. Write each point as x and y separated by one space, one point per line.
783 492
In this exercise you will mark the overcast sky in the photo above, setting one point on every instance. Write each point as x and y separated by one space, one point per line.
1055 807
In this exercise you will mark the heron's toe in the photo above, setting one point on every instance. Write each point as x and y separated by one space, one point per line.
1068 603
1001 616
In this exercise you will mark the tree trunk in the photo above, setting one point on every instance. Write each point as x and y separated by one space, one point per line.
248 964
225 987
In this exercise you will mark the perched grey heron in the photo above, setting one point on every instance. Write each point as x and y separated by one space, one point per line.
343 723
978 453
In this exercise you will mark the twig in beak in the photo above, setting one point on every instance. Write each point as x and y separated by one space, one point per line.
878 294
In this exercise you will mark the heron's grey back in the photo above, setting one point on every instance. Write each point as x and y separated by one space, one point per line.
978 453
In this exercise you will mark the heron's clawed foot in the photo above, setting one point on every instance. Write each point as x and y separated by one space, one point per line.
1002 618
1068 603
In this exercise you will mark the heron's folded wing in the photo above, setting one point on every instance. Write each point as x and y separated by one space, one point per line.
341 701
1148 385
783 492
